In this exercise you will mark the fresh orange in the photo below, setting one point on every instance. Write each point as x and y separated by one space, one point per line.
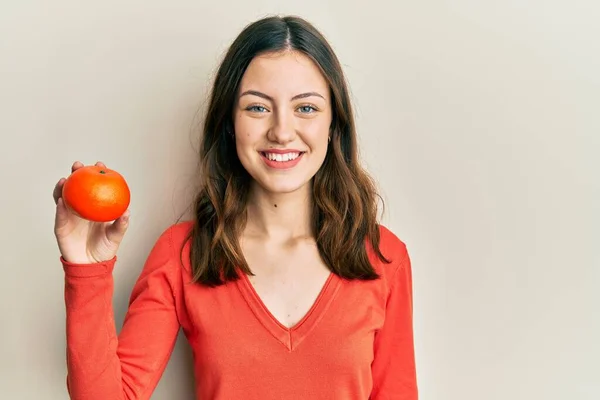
96 194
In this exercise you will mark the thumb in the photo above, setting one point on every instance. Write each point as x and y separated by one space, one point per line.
116 230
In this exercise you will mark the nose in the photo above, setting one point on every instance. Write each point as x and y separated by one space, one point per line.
282 129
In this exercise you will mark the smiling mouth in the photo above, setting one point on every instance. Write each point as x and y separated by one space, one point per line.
281 161
278 157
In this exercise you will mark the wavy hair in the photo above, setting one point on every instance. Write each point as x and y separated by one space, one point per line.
344 216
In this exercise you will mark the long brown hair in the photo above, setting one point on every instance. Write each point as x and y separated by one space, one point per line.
345 199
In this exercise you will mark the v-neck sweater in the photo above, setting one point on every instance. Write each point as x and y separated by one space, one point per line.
355 342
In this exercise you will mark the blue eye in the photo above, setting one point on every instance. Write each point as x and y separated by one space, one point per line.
307 109
259 109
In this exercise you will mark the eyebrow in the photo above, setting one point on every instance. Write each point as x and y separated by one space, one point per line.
267 97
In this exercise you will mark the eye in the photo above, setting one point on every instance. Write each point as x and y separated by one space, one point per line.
256 108
307 109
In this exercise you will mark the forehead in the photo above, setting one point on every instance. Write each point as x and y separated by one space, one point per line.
285 73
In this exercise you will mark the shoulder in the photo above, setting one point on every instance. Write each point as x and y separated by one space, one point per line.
179 232
171 242
391 245
394 250
174 235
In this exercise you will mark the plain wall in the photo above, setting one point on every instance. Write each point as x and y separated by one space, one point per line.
480 120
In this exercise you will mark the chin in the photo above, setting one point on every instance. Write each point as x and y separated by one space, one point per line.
282 185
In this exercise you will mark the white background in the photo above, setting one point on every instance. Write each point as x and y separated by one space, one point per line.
480 120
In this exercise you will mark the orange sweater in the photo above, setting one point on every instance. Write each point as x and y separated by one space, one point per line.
356 342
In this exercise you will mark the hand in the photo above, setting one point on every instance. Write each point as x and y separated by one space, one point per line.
81 241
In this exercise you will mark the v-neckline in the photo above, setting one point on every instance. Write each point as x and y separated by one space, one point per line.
289 337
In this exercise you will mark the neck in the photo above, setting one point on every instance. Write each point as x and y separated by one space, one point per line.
280 216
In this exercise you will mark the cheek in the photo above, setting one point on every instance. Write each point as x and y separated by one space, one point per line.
248 131
316 135
244 147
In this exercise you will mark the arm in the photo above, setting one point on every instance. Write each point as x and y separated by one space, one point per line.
393 369
102 366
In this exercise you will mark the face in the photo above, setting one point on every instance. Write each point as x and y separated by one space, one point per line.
282 119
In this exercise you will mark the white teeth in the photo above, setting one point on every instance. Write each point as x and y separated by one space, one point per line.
282 157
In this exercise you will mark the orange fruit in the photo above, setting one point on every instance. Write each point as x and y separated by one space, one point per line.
96 194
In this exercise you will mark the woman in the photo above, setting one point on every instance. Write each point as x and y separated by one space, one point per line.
284 283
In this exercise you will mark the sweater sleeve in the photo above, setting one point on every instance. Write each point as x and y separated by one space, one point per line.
102 365
393 368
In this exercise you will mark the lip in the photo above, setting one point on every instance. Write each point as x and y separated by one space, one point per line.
280 151
281 164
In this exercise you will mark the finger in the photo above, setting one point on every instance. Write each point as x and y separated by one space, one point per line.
100 164
117 229
61 218
76 165
57 193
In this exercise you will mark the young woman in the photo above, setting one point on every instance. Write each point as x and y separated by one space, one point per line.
284 283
